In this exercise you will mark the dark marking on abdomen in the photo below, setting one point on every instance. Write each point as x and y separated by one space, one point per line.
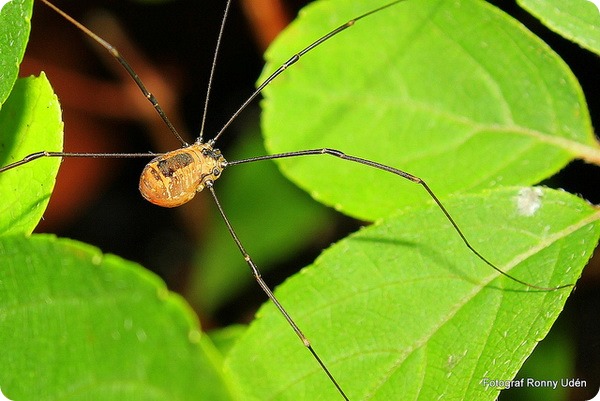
169 166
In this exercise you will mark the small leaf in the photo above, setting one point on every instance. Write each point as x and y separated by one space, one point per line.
457 93
576 20
76 324
402 310
29 121
15 18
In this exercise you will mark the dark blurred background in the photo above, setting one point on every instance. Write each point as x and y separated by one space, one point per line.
171 44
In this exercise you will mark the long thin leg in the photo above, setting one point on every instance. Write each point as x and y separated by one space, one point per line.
39 155
115 53
213 68
267 290
410 177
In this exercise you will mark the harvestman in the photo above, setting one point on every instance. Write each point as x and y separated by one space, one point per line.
172 179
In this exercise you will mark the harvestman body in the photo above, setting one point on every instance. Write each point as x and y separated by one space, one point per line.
173 178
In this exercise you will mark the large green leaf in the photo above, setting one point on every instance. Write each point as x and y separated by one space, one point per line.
76 324
30 121
457 93
402 310
15 25
576 20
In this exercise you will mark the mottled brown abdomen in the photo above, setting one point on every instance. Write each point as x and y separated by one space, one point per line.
174 178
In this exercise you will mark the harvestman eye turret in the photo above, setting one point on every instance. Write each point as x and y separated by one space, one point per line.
174 178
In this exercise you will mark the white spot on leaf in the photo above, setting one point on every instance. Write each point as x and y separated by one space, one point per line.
529 200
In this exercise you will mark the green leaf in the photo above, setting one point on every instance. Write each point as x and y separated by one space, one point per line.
15 25
29 121
76 324
457 93
576 20
402 310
